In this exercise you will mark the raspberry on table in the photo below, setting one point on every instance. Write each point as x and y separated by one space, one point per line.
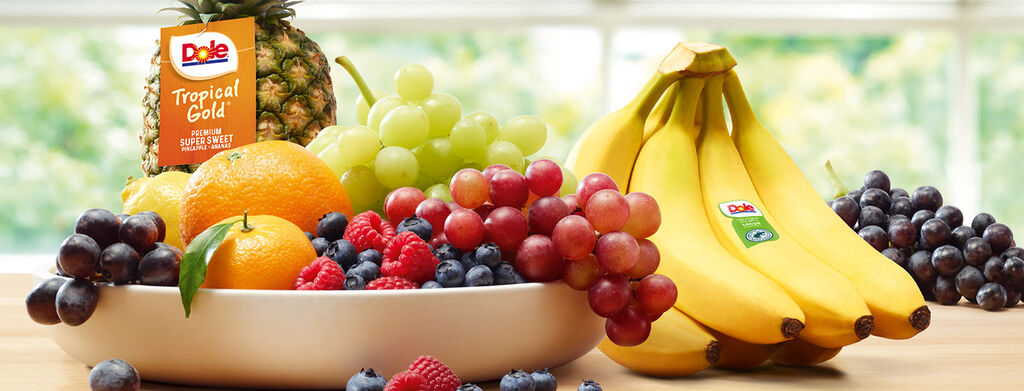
367 230
393 282
321 275
410 257
438 376
406 381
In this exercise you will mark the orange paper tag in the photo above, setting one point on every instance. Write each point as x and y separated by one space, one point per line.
207 90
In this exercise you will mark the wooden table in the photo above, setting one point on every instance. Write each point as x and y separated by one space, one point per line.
965 348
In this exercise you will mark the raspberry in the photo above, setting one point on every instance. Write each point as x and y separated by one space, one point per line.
385 283
410 257
322 274
438 376
367 231
407 381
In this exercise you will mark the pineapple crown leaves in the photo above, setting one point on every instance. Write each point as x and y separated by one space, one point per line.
266 12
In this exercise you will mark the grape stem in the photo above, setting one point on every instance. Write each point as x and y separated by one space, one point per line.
838 188
358 78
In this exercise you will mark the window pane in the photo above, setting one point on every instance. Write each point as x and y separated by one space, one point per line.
861 101
999 64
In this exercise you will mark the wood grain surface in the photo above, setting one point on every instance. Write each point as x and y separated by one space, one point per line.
965 348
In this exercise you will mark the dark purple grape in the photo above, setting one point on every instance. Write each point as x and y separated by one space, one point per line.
877 198
920 217
119 264
896 255
977 251
894 218
847 209
875 236
991 296
921 268
927 290
1013 293
114 375
99 224
898 192
121 217
999 236
829 203
41 302
1013 252
902 233
1013 270
79 256
982 221
960 236
877 179
947 260
76 301
926 198
993 269
871 216
951 215
968 281
161 227
160 267
935 233
901 206
58 270
945 291
140 232
855 194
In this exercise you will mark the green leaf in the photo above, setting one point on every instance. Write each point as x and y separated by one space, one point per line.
197 256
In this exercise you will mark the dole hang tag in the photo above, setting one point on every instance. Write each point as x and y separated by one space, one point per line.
207 90
748 222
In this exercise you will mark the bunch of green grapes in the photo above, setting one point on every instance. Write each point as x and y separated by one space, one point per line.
420 138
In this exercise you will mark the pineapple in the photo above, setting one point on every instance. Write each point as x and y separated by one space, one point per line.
294 95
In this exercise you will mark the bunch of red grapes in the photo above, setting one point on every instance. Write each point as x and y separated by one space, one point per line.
596 239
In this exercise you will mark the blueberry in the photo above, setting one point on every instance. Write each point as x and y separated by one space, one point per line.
354 283
309 236
504 274
320 245
469 387
517 380
114 375
332 226
366 380
488 254
519 279
42 301
446 251
468 260
370 255
369 271
544 380
589 385
479 275
431 285
420 227
992 296
342 252
119 263
450 274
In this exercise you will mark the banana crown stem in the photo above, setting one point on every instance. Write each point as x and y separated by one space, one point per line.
712 112
684 109
644 102
739 107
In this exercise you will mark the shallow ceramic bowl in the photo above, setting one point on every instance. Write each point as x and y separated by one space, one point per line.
291 339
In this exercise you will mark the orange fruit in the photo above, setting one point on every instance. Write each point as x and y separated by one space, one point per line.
267 252
277 178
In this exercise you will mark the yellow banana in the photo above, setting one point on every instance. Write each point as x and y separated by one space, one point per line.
738 355
677 346
800 353
714 287
835 313
612 143
889 291
659 116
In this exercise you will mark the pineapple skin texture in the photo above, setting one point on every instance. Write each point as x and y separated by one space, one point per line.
294 93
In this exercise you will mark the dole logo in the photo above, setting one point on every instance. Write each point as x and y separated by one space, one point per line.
739 208
203 55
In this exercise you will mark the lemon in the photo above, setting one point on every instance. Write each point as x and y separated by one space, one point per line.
161 194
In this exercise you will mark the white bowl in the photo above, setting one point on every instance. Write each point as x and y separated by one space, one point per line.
292 339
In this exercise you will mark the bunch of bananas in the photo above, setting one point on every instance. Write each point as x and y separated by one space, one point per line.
765 269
